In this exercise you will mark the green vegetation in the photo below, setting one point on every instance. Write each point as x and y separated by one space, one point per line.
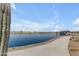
21 32
56 33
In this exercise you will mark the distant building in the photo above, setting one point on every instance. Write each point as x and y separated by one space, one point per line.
64 32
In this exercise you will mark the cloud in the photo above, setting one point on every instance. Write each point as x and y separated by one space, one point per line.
58 25
58 28
76 22
76 29
53 24
25 25
75 25
28 25
13 6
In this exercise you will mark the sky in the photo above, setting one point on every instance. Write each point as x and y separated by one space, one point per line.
44 17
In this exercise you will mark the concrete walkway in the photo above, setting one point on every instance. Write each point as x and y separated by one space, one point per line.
58 47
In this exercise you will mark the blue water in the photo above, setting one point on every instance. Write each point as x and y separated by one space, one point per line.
21 40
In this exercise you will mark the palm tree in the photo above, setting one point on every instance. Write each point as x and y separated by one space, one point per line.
5 27
0 23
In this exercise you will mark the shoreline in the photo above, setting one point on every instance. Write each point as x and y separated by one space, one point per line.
57 47
32 45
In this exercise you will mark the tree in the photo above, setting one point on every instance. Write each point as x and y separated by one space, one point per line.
5 27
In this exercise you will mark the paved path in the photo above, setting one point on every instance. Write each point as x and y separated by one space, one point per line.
59 47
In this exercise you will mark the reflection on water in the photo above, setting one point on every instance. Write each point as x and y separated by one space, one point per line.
21 40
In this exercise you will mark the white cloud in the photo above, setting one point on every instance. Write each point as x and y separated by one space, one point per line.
75 25
76 22
58 28
13 6
76 29
27 25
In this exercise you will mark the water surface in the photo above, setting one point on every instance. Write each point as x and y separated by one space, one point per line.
27 39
